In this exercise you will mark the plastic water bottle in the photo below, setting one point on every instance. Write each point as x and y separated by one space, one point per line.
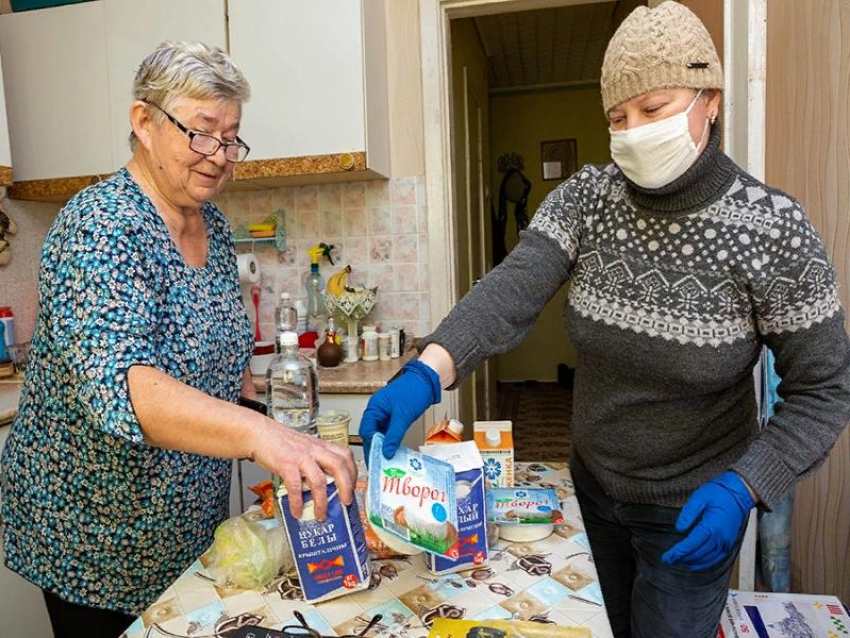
292 387
285 315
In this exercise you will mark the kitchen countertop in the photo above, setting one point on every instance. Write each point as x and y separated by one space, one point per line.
552 580
363 377
10 392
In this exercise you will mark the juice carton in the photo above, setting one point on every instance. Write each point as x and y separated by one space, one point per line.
471 516
445 431
331 556
496 444
413 497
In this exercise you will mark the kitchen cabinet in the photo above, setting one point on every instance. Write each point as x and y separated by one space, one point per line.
57 91
133 30
318 75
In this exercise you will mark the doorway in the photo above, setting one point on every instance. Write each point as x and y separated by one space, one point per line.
525 114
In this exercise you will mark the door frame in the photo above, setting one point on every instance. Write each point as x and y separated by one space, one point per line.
434 17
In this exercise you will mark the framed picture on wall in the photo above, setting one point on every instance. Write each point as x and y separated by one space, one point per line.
559 158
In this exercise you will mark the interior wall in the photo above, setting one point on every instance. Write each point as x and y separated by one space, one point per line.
808 155
519 122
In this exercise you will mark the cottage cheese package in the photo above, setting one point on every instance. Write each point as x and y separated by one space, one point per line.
331 556
413 497
524 514
471 517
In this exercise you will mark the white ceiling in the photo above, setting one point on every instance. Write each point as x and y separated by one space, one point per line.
564 45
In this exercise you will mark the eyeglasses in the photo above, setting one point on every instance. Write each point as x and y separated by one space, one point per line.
297 631
207 144
305 631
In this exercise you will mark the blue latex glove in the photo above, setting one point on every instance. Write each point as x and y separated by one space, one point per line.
719 508
394 407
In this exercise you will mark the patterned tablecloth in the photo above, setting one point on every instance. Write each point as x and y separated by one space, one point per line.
550 581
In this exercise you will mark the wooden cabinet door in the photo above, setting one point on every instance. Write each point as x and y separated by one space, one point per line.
304 60
57 91
133 30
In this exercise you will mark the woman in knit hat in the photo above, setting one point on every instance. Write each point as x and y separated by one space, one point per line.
682 267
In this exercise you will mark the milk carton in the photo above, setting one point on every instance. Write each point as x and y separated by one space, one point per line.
330 556
496 444
471 517
413 497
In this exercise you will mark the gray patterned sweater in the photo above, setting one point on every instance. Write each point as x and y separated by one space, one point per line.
673 292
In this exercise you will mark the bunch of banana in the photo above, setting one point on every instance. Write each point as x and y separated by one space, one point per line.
336 284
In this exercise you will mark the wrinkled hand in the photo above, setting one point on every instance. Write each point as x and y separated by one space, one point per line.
719 508
394 407
302 459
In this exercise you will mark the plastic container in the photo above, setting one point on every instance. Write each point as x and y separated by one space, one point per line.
7 325
370 346
264 353
292 388
333 426
384 345
285 315
395 342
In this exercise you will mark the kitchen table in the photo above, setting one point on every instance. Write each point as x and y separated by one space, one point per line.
550 581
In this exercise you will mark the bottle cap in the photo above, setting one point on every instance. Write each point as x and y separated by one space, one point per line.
284 296
5 311
493 437
288 338
456 427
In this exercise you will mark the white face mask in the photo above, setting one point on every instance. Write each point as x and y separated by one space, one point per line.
653 155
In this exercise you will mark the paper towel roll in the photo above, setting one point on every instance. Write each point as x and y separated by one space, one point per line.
249 268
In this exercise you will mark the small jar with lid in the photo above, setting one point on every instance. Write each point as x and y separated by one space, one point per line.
384 346
370 345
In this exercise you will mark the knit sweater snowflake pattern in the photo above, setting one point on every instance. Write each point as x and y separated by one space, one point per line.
672 294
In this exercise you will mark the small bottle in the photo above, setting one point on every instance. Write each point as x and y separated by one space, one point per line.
329 354
7 325
301 314
292 387
370 346
384 346
285 315
395 342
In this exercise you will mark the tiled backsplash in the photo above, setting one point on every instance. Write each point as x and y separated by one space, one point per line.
378 227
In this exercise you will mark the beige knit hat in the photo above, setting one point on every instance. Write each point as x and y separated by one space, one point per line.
664 47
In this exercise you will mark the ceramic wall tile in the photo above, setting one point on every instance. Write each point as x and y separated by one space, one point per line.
406 249
307 198
354 195
380 249
404 219
380 220
403 190
331 223
407 277
422 218
383 277
356 222
308 226
330 197
377 193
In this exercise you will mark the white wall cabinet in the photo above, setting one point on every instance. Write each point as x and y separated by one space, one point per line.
57 91
318 76
133 30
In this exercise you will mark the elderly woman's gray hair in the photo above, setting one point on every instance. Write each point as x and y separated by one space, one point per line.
187 70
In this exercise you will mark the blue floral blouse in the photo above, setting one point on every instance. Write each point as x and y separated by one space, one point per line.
91 512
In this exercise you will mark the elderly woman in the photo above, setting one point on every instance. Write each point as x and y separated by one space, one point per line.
117 469
682 267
